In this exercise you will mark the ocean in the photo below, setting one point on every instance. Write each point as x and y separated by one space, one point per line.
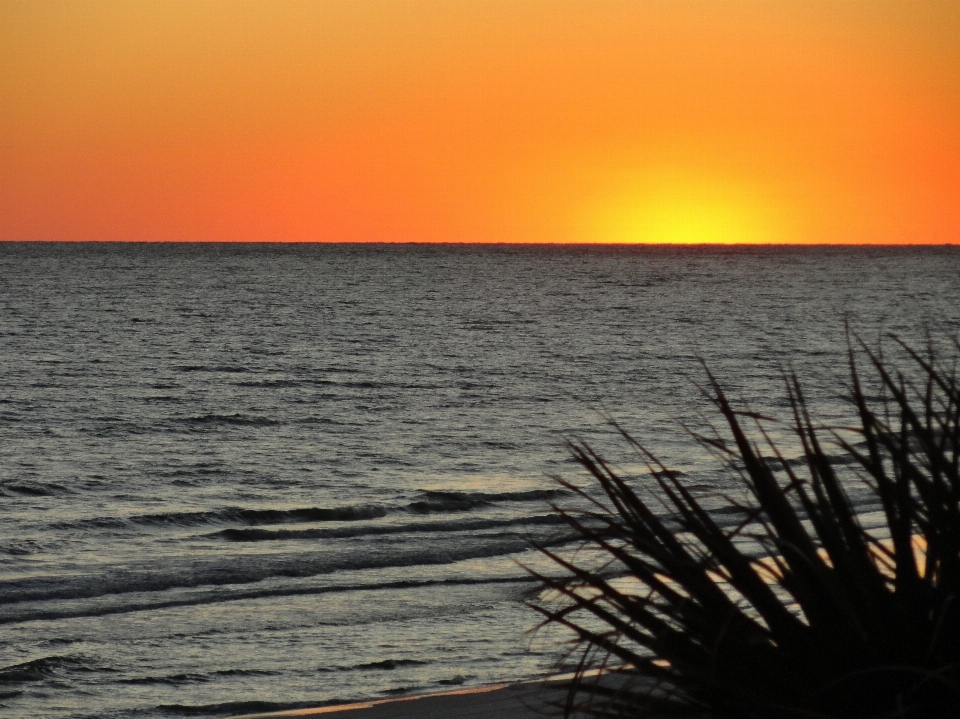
240 478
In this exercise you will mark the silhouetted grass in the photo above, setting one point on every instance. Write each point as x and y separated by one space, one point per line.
799 610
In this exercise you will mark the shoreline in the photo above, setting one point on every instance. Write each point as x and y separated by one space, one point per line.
522 700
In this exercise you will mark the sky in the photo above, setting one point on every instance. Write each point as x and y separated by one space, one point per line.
643 121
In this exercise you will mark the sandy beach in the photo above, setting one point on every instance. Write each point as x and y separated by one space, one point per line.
501 701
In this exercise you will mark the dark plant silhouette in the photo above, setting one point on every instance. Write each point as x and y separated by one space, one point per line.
799 610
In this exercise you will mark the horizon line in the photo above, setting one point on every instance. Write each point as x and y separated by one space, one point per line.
481 244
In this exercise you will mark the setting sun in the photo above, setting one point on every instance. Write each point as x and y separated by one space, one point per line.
689 210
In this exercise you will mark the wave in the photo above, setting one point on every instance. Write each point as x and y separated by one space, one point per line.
235 515
256 517
452 501
245 673
389 664
194 678
173 680
247 570
136 602
13 550
232 419
52 615
434 501
38 670
35 489
231 708
262 535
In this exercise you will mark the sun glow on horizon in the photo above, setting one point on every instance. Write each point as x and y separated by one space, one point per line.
684 208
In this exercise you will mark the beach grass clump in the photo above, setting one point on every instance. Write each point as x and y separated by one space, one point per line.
798 608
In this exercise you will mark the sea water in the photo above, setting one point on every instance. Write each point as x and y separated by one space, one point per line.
239 478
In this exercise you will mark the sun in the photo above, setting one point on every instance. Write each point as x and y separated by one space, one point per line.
688 208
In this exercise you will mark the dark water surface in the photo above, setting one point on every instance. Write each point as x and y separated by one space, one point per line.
249 477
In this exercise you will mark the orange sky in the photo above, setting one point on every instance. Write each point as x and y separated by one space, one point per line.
481 120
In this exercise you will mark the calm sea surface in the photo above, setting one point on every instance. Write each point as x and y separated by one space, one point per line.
239 478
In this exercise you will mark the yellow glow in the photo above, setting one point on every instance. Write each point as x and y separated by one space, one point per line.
689 209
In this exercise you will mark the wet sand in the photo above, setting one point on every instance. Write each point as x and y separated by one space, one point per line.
503 701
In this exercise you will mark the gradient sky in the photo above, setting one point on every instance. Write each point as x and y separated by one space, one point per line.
481 120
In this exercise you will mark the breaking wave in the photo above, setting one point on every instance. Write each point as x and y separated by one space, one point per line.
432 502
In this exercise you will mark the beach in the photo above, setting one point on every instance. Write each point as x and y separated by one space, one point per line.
501 701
